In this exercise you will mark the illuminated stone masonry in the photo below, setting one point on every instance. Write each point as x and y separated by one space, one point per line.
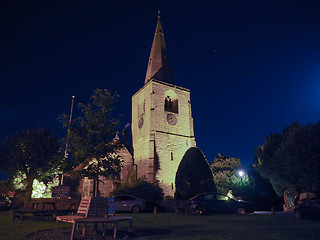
161 136
162 123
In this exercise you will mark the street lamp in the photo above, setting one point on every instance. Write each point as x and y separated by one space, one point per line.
241 173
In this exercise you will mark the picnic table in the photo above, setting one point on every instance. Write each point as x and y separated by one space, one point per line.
39 210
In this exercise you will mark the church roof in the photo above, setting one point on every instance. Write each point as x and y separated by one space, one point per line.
158 66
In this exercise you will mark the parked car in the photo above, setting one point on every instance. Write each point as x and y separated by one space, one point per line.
5 203
307 204
128 203
212 202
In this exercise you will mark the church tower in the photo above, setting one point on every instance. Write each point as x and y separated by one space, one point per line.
162 123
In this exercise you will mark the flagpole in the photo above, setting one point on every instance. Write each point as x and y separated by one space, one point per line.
71 110
66 150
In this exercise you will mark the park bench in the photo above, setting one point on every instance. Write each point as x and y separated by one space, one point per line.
21 212
40 210
93 210
83 211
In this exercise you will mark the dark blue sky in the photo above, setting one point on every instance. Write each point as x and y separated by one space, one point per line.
253 67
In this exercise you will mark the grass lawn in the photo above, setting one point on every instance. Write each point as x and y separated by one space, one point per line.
171 226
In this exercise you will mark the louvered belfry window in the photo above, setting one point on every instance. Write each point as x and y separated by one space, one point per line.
171 105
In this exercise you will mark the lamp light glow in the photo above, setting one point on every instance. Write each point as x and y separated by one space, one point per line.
241 173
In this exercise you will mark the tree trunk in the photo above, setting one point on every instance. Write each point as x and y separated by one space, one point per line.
30 178
94 188
97 191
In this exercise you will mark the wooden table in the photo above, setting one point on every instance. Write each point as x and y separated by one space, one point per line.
114 220
38 209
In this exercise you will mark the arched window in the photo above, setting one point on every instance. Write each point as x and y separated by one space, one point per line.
171 102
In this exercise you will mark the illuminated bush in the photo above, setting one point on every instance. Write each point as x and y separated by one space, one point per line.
39 189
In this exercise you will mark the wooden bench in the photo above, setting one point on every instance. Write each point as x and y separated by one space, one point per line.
39 210
93 210
83 211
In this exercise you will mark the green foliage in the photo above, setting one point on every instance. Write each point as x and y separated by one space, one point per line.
144 190
241 186
194 175
224 170
90 140
251 187
32 153
291 160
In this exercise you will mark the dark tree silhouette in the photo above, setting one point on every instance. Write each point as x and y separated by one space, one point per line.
291 160
194 175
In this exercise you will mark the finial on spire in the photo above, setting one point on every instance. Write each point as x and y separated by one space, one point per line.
158 14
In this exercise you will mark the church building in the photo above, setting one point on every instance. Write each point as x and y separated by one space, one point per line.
162 132
162 123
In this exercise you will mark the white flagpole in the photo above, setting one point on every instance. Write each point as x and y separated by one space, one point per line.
70 119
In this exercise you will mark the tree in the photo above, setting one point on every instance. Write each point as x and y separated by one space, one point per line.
34 153
266 162
193 175
224 170
263 195
90 139
291 160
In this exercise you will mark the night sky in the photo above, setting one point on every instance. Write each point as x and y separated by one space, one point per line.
253 67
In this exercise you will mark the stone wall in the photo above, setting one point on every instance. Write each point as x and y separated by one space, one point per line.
128 176
158 145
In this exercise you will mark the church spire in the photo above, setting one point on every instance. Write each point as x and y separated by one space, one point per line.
158 66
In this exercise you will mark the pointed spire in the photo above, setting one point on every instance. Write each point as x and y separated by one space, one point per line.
158 66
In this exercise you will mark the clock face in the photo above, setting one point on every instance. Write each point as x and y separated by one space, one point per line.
140 123
172 120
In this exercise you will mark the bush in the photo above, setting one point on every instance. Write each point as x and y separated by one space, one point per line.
193 176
